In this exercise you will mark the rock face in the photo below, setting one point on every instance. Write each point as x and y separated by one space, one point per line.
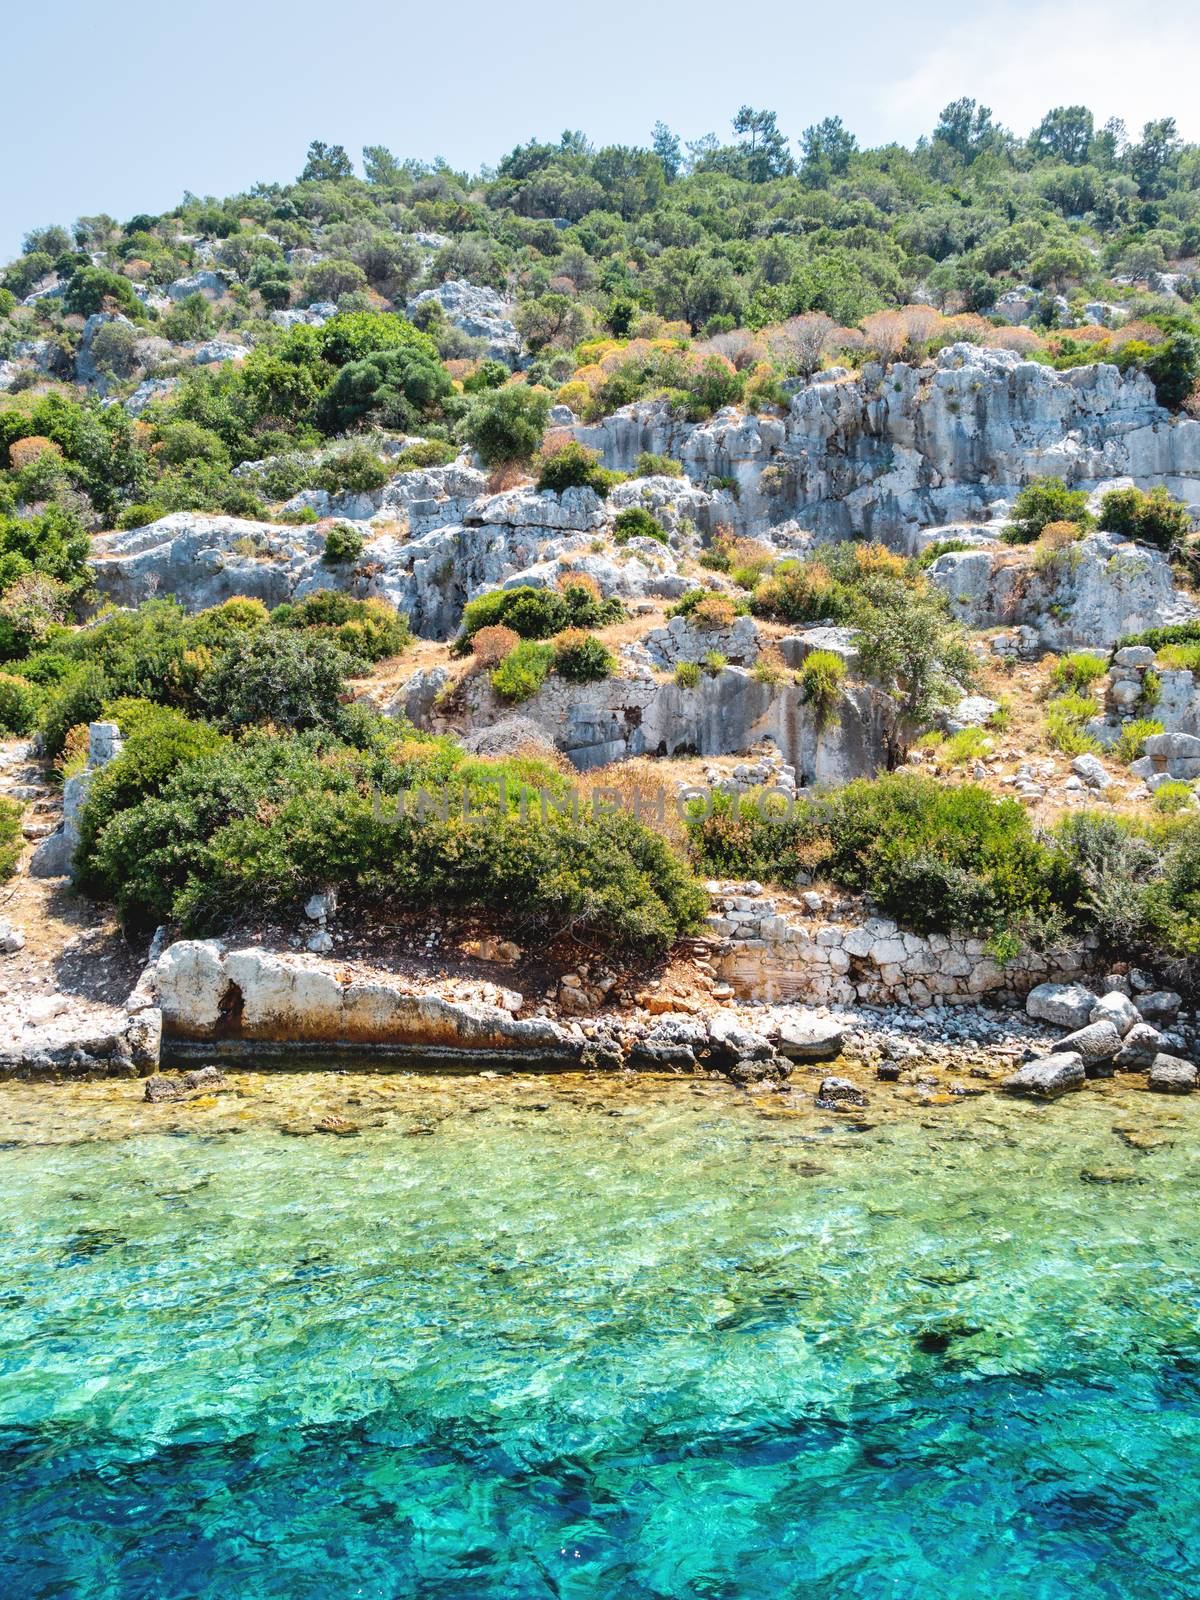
207 992
726 712
1092 594
887 455
480 313
54 857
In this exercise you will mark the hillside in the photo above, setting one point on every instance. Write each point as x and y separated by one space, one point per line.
812 540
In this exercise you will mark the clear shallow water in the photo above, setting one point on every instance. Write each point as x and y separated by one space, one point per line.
560 1339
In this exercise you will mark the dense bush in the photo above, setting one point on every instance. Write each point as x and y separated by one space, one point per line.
934 856
283 677
582 658
12 841
343 543
820 680
506 425
263 823
20 702
537 613
1155 518
652 466
1042 502
573 466
635 522
523 671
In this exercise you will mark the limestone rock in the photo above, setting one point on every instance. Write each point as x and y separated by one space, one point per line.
1172 1075
840 1092
1048 1078
1068 1005
1117 1009
1159 1006
202 1080
1139 1048
480 313
802 1038
1097 1043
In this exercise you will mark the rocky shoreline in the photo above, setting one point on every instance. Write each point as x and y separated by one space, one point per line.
204 1004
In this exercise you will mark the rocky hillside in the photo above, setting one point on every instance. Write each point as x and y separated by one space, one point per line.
303 599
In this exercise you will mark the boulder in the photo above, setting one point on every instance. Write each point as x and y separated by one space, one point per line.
1118 1009
1067 1005
1159 1006
1049 1077
1097 1043
480 313
202 1080
729 1040
11 939
1139 1048
1091 770
838 1093
1172 1075
804 1038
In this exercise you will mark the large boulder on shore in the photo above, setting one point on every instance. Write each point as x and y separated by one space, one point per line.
1048 1078
1067 1005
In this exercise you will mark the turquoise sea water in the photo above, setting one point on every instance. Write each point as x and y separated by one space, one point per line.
555 1339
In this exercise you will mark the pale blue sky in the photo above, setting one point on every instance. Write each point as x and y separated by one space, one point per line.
122 108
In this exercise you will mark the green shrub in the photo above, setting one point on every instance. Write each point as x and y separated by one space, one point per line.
649 465
367 630
968 744
582 658
523 671
395 388
1156 638
20 702
537 613
77 699
1076 673
158 741
573 466
635 522
942 547
1066 718
937 857
261 824
687 674
820 679
1156 518
942 857
425 453
12 841
1179 658
1173 797
356 470
286 678
804 591
1133 737
506 425
1042 502
342 543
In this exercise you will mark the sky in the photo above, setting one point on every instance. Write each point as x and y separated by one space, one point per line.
123 109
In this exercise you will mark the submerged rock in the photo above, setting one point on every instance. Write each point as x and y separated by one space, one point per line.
1172 1075
161 1087
1048 1078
